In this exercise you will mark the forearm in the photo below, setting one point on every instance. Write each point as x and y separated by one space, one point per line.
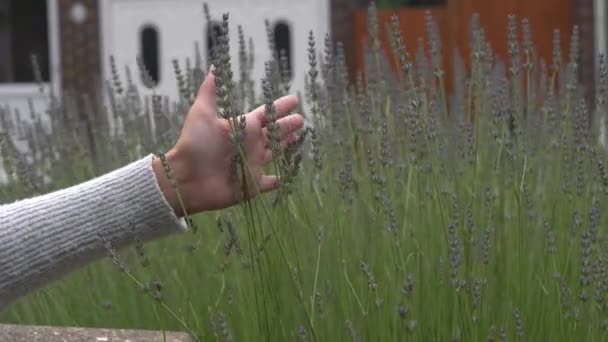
43 238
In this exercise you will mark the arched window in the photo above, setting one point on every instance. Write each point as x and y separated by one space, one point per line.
150 51
214 31
282 44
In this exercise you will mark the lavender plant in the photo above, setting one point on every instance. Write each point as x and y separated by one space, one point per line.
411 213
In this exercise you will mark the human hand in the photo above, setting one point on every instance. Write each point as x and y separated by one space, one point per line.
202 156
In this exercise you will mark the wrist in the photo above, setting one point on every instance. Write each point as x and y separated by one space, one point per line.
165 184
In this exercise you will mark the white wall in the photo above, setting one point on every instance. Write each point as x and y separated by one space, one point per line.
181 23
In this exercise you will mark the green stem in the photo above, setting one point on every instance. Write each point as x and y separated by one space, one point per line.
314 287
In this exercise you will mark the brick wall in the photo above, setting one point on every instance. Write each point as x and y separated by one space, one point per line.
80 60
80 48
341 12
582 14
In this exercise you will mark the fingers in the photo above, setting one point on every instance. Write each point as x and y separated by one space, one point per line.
287 126
268 183
285 142
290 139
206 92
282 107
290 124
285 105
268 156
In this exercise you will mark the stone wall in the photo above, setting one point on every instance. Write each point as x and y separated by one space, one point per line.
25 333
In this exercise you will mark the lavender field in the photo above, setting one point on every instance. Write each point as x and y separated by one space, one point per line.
407 212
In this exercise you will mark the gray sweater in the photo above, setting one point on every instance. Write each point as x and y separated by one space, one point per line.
43 238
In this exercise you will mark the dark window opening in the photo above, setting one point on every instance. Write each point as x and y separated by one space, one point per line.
23 34
150 52
282 43
214 31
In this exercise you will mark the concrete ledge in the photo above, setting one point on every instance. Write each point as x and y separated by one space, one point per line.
26 333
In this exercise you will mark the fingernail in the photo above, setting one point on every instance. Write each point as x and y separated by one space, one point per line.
212 68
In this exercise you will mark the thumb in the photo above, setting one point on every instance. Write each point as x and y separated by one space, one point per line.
206 93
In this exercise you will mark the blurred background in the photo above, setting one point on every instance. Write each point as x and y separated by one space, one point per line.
74 39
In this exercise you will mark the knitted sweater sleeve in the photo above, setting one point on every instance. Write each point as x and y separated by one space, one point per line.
45 237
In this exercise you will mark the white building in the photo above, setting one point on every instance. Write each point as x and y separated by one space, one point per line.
81 35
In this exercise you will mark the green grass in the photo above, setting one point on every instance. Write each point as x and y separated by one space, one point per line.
365 237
